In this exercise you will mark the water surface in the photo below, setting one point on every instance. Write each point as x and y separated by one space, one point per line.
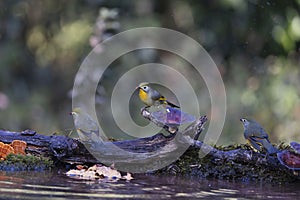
55 185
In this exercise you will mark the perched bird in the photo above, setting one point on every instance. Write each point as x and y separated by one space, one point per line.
150 97
257 136
86 127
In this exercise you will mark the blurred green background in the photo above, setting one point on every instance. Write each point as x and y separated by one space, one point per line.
255 45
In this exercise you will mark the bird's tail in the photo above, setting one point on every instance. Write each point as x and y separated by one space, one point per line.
172 105
258 143
269 147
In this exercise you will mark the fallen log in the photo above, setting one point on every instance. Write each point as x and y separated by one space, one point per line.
238 163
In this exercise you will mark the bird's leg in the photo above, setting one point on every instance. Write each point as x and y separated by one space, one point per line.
70 133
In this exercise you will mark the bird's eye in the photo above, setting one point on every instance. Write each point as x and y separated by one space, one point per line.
145 87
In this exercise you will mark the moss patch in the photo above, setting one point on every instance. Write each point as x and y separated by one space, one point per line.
25 162
190 164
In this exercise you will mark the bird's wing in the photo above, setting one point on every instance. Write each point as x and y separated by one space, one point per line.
156 95
88 126
258 132
256 144
263 133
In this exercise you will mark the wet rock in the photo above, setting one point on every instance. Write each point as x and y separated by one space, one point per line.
290 159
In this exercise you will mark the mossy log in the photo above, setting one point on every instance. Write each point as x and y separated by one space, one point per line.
235 163
69 150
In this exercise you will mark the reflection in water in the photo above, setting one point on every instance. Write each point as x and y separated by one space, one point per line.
46 185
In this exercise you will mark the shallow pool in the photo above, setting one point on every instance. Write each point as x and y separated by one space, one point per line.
55 185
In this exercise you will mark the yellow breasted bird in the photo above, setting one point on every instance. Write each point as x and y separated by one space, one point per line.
150 97
257 136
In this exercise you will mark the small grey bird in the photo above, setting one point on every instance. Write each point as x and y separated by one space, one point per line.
257 136
86 127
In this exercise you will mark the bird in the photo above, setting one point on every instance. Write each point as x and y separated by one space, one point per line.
86 127
257 136
150 96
